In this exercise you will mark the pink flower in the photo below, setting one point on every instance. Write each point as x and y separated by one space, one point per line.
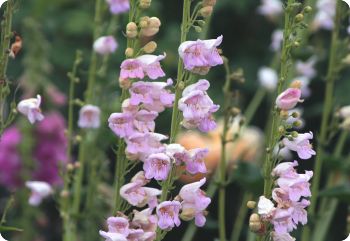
157 166
288 99
194 202
141 145
299 214
282 221
325 15
138 195
151 65
297 186
152 95
121 124
200 54
197 107
301 145
306 68
105 45
178 153
31 109
118 225
118 6
282 237
131 68
144 121
109 236
40 190
285 169
89 117
196 162
270 8
145 220
168 214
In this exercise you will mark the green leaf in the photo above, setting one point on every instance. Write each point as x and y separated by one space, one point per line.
340 192
8 228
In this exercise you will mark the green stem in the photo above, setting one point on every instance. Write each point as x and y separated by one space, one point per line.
254 104
328 104
239 221
6 35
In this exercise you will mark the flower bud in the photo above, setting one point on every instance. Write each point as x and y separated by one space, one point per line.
296 44
77 165
198 29
181 85
297 123
296 84
144 4
78 138
70 167
281 130
187 214
307 9
206 11
144 22
255 224
295 114
64 193
284 114
129 52
154 22
151 27
150 47
206 3
201 22
131 30
299 17
124 83
251 204
295 134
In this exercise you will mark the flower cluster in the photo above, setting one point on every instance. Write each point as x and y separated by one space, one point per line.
51 149
288 208
10 160
190 203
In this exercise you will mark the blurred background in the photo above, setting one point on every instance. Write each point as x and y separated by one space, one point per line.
53 30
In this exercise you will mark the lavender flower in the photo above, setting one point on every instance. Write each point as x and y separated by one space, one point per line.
301 145
168 214
118 6
105 45
40 190
31 109
89 117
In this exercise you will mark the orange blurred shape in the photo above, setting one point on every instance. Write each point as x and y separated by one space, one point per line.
247 148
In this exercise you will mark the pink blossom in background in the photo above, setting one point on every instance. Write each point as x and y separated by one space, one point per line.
201 54
288 99
306 68
276 40
118 6
56 96
325 14
50 149
168 214
196 164
270 8
39 191
31 109
105 45
89 117
10 160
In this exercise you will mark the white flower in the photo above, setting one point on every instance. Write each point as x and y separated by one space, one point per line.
89 117
31 109
268 78
270 8
1 238
40 190
276 40
265 206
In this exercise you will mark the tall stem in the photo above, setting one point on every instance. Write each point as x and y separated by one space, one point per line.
328 105
6 35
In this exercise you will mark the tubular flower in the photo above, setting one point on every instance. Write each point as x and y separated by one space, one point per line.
168 214
118 6
288 99
31 109
89 117
199 56
40 190
157 166
105 45
301 145
270 8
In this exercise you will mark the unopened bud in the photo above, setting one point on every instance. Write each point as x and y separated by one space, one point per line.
70 167
307 9
78 138
14 111
295 114
129 52
151 28
154 22
208 3
255 224
145 4
251 204
198 29
296 44
77 165
299 17
284 114
150 47
187 214
124 83
201 22
64 194
295 134
206 11
296 84
131 30
297 123
281 129
144 22
182 85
